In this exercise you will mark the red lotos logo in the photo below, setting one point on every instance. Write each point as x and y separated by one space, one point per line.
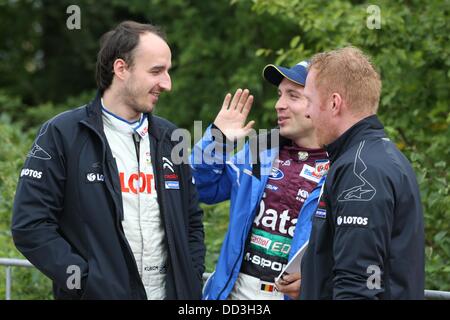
131 185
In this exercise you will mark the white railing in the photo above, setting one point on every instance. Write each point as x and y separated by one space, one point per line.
9 263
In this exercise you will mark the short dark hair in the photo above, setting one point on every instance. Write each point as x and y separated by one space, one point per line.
120 43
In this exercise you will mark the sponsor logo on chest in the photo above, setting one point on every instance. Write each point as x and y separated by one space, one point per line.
352 221
271 187
136 182
322 167
302 195
276 174
171 179
94 177
309 173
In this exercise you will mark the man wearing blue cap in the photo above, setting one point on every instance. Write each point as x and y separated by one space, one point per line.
273 192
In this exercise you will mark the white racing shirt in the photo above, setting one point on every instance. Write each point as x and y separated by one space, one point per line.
142 220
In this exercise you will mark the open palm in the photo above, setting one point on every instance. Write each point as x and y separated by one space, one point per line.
231 118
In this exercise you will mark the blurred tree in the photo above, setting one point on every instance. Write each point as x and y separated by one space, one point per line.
213 44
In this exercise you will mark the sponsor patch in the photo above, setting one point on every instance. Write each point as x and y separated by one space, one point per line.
264 262
321 213
30 173
352 221
93 177
270 244
167 164
271 187
302 195
172 176
286 163
322 167
364 190
142 131
137 182
309 173
260 241
172 184
267 286
37 151
276 174
148 158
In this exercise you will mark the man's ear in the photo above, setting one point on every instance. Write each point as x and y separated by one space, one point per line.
336 103
120 67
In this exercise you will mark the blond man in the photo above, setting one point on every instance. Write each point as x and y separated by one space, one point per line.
367 239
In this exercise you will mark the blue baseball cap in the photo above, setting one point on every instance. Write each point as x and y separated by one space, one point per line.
275 74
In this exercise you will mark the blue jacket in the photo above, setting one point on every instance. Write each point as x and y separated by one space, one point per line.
220 176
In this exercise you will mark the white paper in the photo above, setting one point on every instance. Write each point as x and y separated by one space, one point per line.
294 265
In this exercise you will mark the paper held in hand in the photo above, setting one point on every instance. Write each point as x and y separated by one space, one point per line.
294 265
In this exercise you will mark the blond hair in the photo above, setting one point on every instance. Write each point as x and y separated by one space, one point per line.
349 72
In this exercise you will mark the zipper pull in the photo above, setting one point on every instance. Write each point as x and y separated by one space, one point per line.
137 141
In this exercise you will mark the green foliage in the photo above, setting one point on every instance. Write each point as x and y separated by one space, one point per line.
218 46
216 223
14 145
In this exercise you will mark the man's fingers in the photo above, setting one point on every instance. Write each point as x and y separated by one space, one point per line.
291 277
249 126
247 105
292 289
236 97
242 100
226 101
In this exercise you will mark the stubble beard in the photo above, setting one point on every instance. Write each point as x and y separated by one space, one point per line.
129 95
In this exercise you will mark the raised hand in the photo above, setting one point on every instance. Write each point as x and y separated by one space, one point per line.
233 114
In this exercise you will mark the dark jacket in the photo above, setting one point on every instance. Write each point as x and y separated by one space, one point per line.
367 239
68 212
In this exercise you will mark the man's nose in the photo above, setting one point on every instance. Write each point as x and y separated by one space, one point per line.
166 82
280 105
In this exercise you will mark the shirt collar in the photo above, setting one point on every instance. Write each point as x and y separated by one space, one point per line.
118 123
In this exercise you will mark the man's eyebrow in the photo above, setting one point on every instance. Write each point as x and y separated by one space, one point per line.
295 92
159 67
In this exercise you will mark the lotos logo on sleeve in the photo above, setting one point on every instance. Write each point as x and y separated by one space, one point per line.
30 173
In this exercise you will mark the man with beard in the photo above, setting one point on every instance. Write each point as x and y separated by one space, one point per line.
100 207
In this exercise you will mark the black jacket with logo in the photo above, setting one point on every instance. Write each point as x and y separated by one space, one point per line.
367 239
68 212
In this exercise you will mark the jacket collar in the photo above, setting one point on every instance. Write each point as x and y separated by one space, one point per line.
94 118
365 128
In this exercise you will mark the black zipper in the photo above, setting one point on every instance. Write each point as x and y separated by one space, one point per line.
119 226
136 140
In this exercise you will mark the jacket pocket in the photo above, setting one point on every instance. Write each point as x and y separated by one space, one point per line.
85 285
